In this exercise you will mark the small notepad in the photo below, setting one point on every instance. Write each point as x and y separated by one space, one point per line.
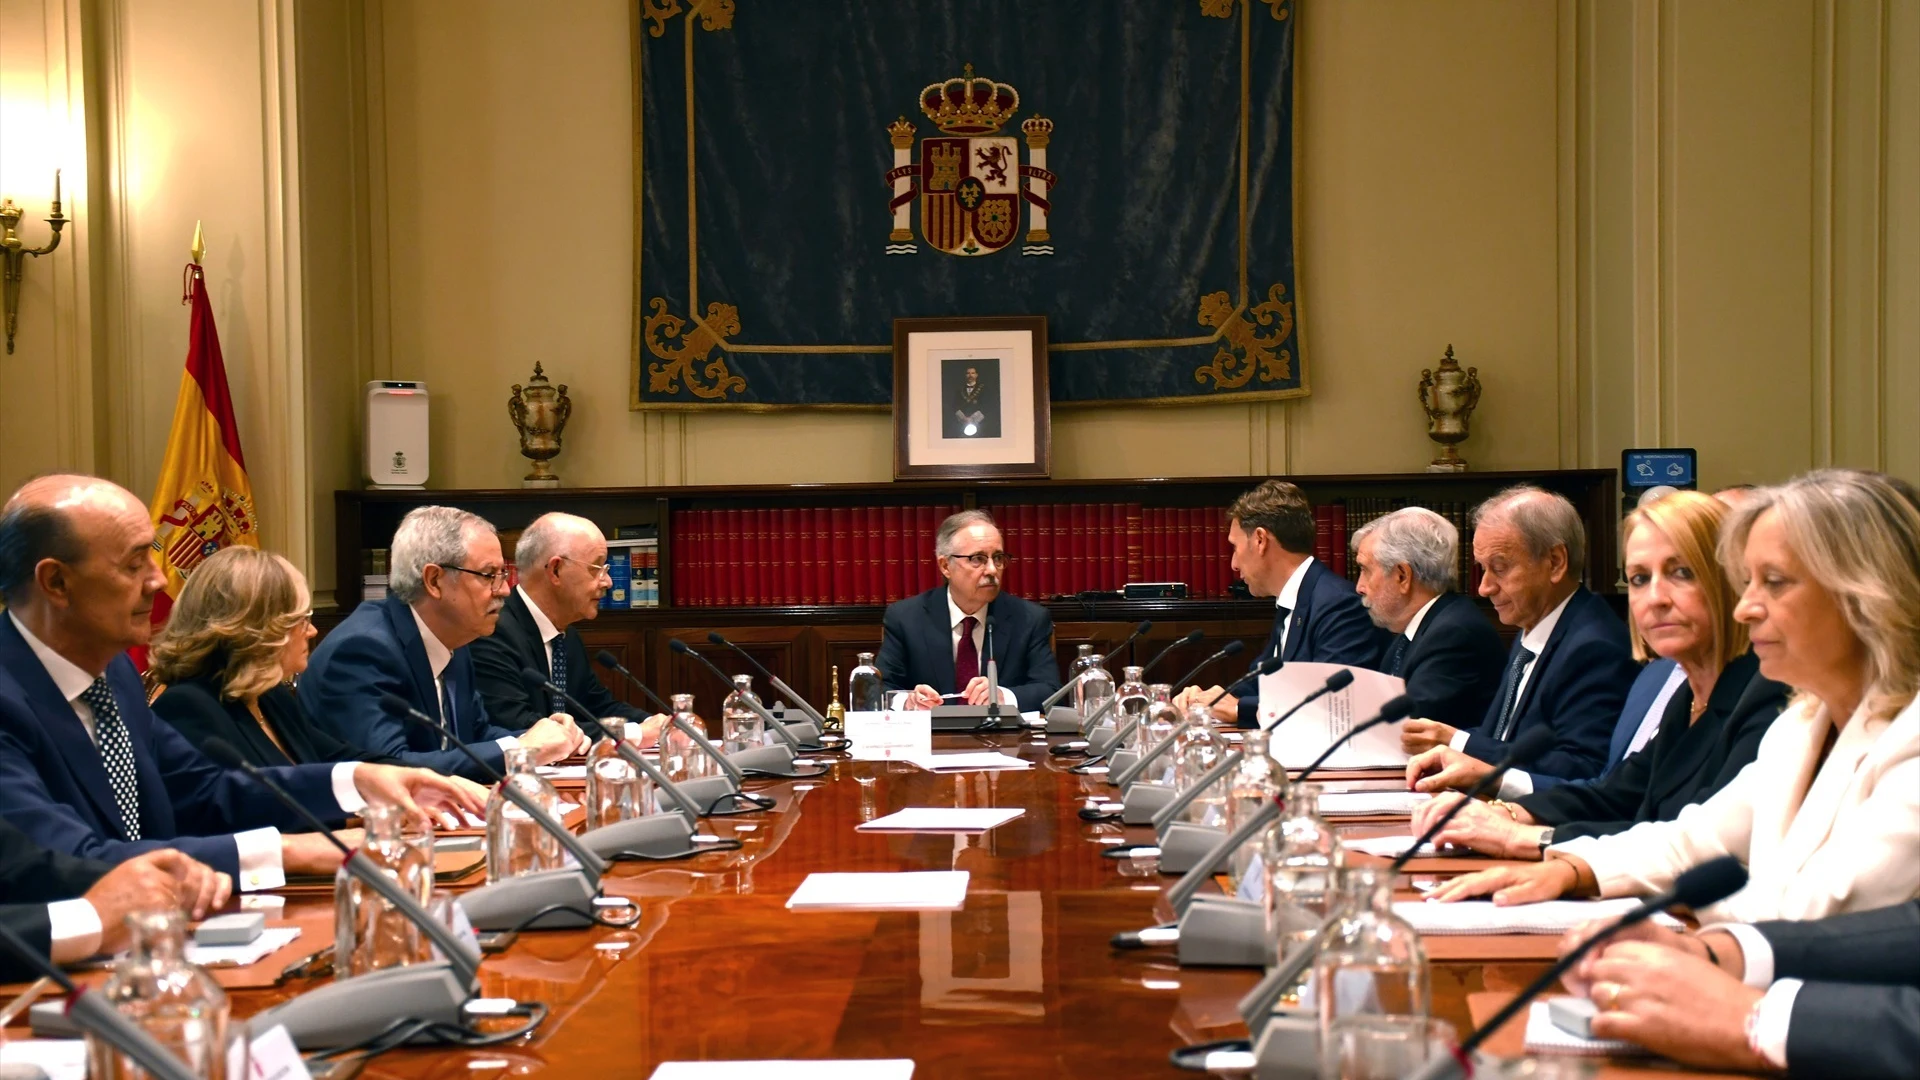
970 762
942 819
252 952
1482 917
1546 1037
912 890
866 1069
1352 803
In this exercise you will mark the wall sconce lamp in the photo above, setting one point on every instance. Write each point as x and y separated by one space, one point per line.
16 251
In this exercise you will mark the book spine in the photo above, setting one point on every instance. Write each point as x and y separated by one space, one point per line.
1340 560
783 565
1043 549
890 548
1136 544
840 570
861 583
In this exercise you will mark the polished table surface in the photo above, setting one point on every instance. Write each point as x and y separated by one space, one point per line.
1020 982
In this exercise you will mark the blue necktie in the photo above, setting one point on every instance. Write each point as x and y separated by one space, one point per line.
1510 693
448 722
1397 654
559 669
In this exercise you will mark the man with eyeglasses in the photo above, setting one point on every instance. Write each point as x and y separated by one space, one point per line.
448 583
562 561
933 646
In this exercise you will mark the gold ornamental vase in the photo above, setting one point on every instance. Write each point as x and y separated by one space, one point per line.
1448 394
539 411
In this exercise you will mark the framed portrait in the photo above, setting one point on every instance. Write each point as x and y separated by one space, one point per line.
970 398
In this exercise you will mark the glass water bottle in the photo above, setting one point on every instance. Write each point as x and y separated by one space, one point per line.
740 726
864 692
1081 657
1197 750
1372 975
1301 857
1094 689
369 933
1252 786
516 844
680 757
1132 707
172 1000
1161 719
616 791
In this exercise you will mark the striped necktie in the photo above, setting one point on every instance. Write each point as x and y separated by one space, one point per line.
1510 692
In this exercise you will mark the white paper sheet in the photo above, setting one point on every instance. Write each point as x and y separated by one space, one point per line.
987 759
1359 803
1308 733
1390 847
273 937
1482 917
562 772
942 819
912 890
60 1059
876 1069
889 736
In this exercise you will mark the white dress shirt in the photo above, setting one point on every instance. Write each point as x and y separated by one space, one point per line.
1775 1010
1518 782
438 657
548 632
1289 598
258 849
956 616
1413 624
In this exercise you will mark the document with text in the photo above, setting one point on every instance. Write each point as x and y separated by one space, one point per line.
1308 733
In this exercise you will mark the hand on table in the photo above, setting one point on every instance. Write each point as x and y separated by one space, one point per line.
157 880
1517 884
1417 735
921 697
1478 827
1579 979
976 690
418 791
309 854
1442 768
1675 1004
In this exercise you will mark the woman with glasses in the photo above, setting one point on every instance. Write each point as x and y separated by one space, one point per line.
235 641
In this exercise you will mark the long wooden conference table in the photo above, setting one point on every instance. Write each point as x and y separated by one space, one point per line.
1021 982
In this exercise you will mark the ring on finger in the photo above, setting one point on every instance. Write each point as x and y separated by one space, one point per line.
1606 995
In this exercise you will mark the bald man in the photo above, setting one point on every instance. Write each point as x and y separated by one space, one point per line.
562 560
85 768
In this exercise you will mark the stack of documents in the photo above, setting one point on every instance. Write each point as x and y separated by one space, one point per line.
1482 917
942 819
1308 733
1392 847
987 759
872 1069
912 890
1371 803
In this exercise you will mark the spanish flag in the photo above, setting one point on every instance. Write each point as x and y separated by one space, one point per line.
203 501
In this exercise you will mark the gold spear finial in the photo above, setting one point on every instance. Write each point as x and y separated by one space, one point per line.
199 248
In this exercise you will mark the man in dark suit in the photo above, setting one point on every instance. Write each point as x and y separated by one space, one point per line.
69 909
1569 669
1449 653
85 768
1835 997
933 645
448 583
1317 617
562 561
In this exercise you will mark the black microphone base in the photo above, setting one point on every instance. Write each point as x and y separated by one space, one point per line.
1223 931
351 1011
1143 800
505 905
663 835
1184 844
974 717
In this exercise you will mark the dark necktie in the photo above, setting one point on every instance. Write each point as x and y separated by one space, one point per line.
448 723
966 659
1510 692
116 753
559 668
1281 615
1396 654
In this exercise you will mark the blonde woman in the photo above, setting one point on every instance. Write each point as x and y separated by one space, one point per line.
1681 607
232 645
1827 818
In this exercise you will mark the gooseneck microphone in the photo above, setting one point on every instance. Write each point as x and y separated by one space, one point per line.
612 663
1708 883
95 1015
1336 682
1067 687
1193 638
349 1011
819 722
590 864
1531 744
780 767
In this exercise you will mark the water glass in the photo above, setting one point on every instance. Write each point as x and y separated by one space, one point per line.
1381 1047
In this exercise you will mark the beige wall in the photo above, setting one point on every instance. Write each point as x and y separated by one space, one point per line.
1647 222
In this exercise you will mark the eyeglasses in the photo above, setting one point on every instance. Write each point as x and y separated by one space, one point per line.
495 579
979 560
595 568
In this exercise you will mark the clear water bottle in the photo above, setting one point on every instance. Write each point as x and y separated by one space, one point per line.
616 791
1132 707
369 933
172 1000
1082 657
1199 750
1370 981
740 726
516 844
1093 690
680 757
864 692
1252 786
1301 858
1162 717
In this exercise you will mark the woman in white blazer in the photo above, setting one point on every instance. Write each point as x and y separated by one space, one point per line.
1827 817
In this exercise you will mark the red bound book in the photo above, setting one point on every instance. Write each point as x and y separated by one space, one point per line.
821 554
1201 552
1107 545
690 554
798 560
1157 545
839 556
679 528
1070 546
1323 535
784 566
926 572
732 552
861 584
1116 546
1219 552
1043 577
888 588
1338 512
767 542
754 532
1136 544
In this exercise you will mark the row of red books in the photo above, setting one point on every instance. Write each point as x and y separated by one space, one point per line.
787 557
1070 548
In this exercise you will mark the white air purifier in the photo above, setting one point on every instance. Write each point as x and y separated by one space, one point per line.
396 434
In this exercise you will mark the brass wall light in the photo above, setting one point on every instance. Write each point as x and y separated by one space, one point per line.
16 251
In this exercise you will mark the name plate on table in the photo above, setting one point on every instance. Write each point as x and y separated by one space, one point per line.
1308 733
890 736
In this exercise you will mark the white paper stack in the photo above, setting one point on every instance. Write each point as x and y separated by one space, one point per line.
969 762
1482 917
1371 803
60 1059
912 890
1308 733
273 937
1392 847
875 1069
1546 1037
889 736
942 819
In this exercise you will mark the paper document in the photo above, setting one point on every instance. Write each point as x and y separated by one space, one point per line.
912 890
1371 803
273 937
562 772
1307 733
986 759
1391 847
889 736
1546 1037
60 1059
875 1069
1482 917
942 819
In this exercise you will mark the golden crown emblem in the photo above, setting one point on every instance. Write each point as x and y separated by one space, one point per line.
967 105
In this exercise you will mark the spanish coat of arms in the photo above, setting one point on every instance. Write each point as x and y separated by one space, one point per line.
969 180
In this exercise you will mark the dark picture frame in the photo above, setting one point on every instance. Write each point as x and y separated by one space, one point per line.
970 398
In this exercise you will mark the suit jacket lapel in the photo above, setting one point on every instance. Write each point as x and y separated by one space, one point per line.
519 624
74 747
1302 612
1541 662
942 640
400 619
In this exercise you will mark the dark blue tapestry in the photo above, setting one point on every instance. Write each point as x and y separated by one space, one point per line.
811 170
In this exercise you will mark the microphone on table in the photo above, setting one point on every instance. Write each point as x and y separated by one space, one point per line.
508 904
1708 883
1068 722
1056 697
819 723
1193 638
993 673
1131 772
1336 682
767 760
95 1015
349 1011
1530 744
